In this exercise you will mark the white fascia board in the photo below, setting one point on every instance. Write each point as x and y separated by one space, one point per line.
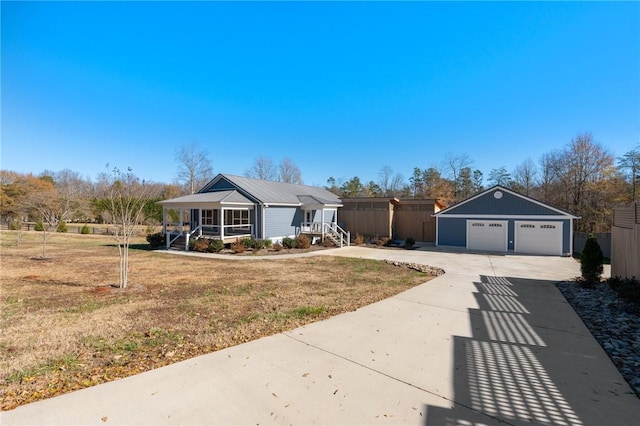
505 216
564 214
223 203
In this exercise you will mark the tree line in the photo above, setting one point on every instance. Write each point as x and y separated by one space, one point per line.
582 177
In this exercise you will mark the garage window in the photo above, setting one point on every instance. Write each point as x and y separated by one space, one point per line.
548 227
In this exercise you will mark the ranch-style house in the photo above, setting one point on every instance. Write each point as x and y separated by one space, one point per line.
231 207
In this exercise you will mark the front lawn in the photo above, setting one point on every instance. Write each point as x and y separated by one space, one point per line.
65 327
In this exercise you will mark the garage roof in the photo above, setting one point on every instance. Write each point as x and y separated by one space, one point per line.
499 201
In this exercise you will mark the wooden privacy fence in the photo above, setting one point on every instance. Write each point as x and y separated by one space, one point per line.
367 217
625 242
389 218
604 240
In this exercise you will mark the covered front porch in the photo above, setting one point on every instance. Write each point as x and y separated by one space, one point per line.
225 215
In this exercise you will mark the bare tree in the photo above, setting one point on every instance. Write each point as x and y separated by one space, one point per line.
262 168
577 179
40 199
125 202
288 172
74 193
524 176
396 186
453 164
390 184
194 166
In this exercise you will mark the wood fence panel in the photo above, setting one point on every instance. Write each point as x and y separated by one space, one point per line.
625 244
368 223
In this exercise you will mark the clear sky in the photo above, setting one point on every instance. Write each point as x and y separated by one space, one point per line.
342 89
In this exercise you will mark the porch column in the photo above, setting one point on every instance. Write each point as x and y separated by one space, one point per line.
200 222
164 226
222 223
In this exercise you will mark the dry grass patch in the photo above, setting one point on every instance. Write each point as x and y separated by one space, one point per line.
65 327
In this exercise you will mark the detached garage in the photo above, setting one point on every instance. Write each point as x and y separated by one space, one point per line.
502 220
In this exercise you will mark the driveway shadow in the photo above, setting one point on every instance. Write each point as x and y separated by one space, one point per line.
531 360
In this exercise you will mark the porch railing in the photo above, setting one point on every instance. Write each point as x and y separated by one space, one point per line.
327 230
337 234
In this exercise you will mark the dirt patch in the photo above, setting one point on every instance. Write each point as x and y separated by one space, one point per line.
65 327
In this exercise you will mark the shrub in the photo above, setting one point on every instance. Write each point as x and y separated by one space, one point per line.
238 247
328 242
154 240
201 245
248 242
215 246
591 261
85 230
262 244
62 226
15 225
277 246
380 241
39 226
627 288
288 243
358 239
409 242
302 242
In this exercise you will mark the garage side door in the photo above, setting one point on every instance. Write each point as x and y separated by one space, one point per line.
487 235
538 237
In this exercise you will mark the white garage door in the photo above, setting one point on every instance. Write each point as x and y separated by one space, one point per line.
538 237
487 235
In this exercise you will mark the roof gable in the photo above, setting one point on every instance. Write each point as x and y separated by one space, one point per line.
502 201
269 192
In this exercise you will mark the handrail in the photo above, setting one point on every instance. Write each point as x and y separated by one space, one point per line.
171 241
338 232
188 235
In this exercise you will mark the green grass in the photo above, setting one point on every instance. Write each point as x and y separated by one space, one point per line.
64 362
85 308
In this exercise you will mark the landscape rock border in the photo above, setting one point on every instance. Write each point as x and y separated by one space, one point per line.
430 270
612 322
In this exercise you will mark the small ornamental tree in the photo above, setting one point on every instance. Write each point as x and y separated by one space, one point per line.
591 261
124 204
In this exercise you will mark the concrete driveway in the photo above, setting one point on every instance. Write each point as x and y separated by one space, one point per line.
490 342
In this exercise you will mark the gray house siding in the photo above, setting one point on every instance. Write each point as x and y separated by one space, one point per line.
453 231
508 204
282 221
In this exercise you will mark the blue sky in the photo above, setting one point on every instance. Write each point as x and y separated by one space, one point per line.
342 89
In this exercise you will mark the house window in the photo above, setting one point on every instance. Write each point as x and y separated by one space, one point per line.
236 217
210 217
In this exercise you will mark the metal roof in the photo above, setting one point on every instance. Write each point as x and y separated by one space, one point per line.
451 209
269 192
221 197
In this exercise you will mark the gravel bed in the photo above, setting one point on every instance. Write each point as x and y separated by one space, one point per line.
614 323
